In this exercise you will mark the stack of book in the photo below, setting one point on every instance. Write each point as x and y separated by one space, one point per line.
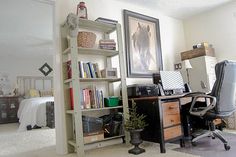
108 44
107 21
91 97
86 70
89 70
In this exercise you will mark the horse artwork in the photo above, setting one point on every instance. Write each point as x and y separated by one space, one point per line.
141 44
143 47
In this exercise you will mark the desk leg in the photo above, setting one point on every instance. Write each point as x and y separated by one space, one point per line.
162 147
182 142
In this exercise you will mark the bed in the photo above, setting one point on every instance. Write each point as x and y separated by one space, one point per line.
36 107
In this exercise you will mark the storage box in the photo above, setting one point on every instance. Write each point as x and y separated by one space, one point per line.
92 124
97 136
197 53
109 73
86 39
111 101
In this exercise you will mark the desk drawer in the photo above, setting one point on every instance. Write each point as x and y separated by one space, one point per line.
170 108
169 120
172 132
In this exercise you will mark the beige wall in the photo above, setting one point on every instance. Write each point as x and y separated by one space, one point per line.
217 27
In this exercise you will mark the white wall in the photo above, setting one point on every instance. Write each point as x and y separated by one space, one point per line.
15 65
218 27
171 32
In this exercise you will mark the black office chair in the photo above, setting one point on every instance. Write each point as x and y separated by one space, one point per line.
221 105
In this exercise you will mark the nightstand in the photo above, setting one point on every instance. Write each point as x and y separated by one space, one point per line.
8 109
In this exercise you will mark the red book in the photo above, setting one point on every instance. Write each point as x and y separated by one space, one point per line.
71 99
68 65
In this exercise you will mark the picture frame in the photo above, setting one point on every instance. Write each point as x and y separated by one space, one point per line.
143 45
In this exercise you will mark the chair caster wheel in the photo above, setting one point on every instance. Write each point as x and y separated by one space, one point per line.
213 137
227 147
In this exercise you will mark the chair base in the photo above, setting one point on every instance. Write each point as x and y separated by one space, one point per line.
213 134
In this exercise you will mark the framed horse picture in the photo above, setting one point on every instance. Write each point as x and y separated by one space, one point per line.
143 45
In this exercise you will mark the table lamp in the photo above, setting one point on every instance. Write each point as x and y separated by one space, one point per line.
186 66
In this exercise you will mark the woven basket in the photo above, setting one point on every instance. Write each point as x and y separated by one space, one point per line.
86 39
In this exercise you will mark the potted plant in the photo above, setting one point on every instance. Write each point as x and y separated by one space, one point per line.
135 124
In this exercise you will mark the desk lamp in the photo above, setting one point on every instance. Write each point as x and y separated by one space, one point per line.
186 66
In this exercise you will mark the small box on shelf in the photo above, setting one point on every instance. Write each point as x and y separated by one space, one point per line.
111 101
93 137
109 73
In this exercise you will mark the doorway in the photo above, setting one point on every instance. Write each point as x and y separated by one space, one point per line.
26 51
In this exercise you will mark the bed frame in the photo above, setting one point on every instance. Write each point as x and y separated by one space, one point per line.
25 83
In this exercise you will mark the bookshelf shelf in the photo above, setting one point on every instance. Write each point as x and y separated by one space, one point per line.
95 109
97 26
94 80
99 79
73 142
93 51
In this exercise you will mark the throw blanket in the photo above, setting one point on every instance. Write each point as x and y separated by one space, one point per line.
33 112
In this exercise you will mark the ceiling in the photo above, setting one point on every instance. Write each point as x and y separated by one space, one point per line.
181 9
26 27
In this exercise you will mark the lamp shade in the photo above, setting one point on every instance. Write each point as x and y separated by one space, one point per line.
186 64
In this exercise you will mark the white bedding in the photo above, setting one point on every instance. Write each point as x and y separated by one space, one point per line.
33 112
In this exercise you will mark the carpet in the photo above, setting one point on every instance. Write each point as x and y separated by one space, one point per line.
19 142
208 147
152 150
41 143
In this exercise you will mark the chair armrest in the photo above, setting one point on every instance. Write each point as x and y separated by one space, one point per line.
203 109
193 94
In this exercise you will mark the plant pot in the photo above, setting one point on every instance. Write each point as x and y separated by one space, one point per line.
136 141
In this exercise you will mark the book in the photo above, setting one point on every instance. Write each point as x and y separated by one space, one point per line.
81 69
68 66
97 70
86 70
86 97
106 41
107 47
105 20
91 70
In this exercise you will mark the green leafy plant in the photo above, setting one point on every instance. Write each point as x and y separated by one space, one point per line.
135 120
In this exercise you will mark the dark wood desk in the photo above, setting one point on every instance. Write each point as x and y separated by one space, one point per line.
163 118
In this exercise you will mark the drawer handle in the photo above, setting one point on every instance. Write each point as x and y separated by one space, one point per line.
171 120
171 107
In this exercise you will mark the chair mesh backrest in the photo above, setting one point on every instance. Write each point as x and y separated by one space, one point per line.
224 88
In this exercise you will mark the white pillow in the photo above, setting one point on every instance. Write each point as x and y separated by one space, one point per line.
46 93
